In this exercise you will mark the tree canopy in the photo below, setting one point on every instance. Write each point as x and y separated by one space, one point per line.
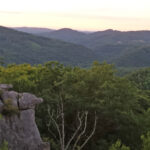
116 100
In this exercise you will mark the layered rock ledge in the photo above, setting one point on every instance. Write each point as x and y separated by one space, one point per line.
17 125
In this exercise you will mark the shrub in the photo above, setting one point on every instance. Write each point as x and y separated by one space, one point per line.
4 146
9 109
118 146
146 141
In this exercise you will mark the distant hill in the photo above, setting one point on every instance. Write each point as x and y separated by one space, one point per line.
18 47
33 30
121 48
67 35
97 39
124 49
138 57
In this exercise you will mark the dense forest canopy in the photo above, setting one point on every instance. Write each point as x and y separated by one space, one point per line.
121 103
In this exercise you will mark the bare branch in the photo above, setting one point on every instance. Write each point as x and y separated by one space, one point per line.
76 131
56 124
51 132
58 120
92 133
82 133
63 121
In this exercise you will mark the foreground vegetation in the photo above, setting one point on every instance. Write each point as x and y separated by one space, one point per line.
118 106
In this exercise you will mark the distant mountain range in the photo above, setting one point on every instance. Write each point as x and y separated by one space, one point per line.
19 47
121 48
124 49
66 34
33 30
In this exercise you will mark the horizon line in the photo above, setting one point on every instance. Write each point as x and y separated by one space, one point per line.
80 30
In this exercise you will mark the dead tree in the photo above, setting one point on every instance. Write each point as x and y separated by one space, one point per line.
74 142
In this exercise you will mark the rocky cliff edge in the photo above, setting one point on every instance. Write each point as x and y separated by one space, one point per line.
17 125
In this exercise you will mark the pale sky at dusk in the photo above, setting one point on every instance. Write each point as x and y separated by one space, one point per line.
77 14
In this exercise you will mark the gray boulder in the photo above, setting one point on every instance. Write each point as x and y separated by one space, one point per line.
20 130
28 101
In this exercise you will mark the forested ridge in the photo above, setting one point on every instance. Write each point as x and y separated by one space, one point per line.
120 105
19 47
124 49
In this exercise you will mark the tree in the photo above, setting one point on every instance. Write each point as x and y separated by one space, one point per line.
117 102
119 146
57 118
146 141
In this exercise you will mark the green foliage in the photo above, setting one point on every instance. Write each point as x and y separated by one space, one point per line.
118 146
122 108
146 141
9 109
4 146
141 78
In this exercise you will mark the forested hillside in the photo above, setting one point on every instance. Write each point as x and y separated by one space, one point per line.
66 34
135 57
124 49
18 47
97 39
121 48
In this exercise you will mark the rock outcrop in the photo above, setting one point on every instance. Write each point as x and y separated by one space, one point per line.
17 126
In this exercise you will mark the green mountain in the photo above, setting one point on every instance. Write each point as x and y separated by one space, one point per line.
97 39
121 48
124 49
66 34
138 57
18 47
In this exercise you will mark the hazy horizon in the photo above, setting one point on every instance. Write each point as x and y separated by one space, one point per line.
85 15
80 30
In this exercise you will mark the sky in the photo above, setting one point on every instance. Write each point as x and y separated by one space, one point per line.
84 15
